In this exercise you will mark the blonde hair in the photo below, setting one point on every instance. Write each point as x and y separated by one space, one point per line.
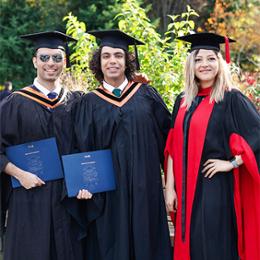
223 81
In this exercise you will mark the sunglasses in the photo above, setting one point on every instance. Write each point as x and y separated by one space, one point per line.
57 58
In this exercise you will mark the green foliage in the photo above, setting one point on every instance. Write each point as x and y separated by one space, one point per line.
19 17
99 14
11 52
79 76
253 93
161 57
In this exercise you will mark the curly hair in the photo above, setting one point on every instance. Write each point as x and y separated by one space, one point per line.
95 65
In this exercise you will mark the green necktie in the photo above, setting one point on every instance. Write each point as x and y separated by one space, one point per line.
117 92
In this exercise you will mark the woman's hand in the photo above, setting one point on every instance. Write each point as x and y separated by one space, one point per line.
171 199
84 195
213 166
170 194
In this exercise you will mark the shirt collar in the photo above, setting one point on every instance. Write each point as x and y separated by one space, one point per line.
111 88
44 90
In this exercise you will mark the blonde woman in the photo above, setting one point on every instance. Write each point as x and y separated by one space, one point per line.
213 181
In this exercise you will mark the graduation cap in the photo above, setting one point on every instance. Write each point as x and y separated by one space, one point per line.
117 39
51 40
208 41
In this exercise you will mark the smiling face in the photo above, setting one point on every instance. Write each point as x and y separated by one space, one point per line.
49 70
113 65
206 67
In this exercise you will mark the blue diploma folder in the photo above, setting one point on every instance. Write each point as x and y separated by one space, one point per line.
92 171
38 157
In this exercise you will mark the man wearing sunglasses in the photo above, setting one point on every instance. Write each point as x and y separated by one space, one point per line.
38 225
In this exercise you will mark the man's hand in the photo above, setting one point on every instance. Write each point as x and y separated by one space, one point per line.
29 180
141 77
84 195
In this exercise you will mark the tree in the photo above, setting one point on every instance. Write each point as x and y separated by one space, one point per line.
98 14
239 20
20 17
160 9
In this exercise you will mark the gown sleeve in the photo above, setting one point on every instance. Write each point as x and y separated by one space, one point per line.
8 127
162 117
243 125
84 123
161 113
169 143
9 132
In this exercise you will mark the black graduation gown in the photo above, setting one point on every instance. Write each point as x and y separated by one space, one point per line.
129 223
209 221
4 93
38 226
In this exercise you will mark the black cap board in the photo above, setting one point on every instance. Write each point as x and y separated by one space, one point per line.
51 40
117 39
208 41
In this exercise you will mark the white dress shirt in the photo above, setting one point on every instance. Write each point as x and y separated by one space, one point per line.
44 90
110 88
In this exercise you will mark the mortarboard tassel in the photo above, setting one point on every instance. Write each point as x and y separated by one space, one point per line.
227 51
67 51
136 59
